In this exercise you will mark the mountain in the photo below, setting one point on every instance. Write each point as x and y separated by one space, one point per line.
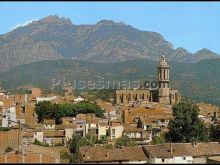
198 81
53 38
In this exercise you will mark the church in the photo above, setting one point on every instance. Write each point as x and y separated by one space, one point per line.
163 94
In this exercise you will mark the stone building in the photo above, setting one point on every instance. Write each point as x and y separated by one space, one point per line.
163 94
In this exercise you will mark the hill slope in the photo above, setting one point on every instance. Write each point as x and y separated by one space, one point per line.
199 81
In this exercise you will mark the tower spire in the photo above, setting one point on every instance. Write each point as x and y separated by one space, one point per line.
163 81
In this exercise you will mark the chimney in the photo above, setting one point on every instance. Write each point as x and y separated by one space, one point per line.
171 148
107 155
194 144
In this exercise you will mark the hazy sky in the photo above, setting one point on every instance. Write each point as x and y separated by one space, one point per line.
192 25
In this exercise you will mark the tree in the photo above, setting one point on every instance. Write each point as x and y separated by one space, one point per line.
8 149
124 141
214 132
186 126
47 110
158 139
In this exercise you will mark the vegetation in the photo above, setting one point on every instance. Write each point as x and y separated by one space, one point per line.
186 126
159 139
8 149
124 141
214 133
47 110
4 129
65 155
37 142
192 80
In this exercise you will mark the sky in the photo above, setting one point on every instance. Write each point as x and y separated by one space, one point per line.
191 25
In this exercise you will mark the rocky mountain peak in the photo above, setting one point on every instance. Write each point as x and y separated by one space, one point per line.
53 19
109 22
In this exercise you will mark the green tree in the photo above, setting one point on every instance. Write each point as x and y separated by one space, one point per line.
124 141
186 126
214 132
47 110
8 149
158 139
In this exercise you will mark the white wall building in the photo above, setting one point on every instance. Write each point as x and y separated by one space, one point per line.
8 114
45 98
116 131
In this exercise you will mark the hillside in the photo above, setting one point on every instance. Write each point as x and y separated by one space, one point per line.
54 38
199 81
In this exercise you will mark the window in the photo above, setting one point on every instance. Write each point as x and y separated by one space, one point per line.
113 132
163 160
184 158
22 109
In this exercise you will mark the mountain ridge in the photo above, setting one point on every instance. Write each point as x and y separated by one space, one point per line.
53 38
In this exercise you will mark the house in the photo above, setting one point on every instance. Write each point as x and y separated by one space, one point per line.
68 120
138 134
115 129
49 124
78 99
103 127
74 125
112 155
202 151
92 127
7 115
39 135
182 152
167 153
54 137
38 99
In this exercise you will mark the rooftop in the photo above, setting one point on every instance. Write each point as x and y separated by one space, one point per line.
101 154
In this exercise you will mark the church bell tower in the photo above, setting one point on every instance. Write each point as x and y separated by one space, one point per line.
163 81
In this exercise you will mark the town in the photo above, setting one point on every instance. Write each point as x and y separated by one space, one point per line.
137 126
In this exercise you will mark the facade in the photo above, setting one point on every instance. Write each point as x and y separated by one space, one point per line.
8 114
187 153
116 131
163 94
49 124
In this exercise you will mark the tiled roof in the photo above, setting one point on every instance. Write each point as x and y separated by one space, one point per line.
101 154
53 133
28 134
49 122
183 149
130 129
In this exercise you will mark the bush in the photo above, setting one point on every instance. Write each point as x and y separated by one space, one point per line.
8 149
124 141
37 142
65 155
4 129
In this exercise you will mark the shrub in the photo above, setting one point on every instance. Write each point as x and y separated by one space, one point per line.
8 149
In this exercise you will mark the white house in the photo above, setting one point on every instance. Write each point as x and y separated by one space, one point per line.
116 131
45 98
79 98
8 114
39 135
49 124
173 153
